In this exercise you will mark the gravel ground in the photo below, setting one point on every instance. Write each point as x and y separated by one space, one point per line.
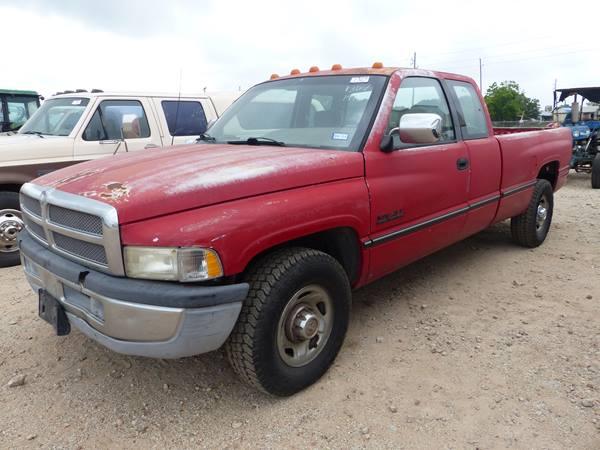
483 345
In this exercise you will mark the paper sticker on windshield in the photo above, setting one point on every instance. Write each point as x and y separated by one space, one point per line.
359 80
76 102
339 136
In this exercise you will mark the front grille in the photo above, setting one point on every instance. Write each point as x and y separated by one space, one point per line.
75 220
79 228
35 229
81 249
31 205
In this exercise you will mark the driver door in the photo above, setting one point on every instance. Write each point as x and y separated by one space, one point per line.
117 125
418 192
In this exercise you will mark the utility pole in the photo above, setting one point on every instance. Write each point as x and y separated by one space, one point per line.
480 76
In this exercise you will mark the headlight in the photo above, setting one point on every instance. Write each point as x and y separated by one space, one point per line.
179 264
576 133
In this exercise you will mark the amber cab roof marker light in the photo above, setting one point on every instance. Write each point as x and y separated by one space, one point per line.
377 65
295 72
274 76
336 67
313 69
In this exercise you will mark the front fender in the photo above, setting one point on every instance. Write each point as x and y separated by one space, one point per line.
242 229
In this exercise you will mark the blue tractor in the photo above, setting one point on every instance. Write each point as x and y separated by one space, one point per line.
585 127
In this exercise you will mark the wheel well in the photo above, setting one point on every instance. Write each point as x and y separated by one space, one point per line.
549 172
341 243
10 187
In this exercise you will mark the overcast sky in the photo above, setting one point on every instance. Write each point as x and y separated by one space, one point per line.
143 45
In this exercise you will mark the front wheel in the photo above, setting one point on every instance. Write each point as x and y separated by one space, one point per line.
530 228
596 172
10 225
293 322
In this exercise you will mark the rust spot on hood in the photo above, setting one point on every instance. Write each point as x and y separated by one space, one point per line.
115 191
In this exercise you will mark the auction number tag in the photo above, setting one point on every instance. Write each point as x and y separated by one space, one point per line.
359 80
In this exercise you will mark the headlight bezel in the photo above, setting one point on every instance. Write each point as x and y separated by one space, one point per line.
181 264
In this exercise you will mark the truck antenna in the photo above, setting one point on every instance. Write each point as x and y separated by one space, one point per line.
177 109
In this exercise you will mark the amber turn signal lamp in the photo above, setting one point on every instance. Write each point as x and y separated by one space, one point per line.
336 67
377 65
295 72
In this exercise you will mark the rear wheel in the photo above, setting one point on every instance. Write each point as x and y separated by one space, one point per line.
596 172
293 322
10 225
531 228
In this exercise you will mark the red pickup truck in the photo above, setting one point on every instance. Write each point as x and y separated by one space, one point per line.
309 186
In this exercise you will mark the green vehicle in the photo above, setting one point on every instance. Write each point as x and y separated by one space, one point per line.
16 107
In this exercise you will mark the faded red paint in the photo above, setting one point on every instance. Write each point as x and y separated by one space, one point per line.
244 200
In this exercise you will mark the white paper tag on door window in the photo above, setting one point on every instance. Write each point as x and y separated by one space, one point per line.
359 80
76 102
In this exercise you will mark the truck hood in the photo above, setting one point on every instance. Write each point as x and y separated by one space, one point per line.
164 181
27 139
22 148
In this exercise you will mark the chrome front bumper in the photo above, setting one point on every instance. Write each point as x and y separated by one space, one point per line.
123 322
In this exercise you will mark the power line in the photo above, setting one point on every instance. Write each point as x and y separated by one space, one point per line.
491 57
508 61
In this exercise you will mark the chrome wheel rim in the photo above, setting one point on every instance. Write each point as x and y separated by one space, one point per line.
305 326
10 225
542 213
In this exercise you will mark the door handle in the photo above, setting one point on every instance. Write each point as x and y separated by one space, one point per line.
148 146
462 163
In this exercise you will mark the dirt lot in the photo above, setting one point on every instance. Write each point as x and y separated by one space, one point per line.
483 345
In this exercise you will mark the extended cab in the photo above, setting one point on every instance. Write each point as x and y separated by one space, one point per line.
79 126
309 186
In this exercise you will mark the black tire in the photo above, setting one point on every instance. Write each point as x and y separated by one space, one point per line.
8 201
596 172
528 229
275 280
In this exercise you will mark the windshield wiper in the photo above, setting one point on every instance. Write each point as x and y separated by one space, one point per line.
258 141
206 137
37 133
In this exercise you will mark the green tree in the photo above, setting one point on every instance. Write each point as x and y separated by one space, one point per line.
506 101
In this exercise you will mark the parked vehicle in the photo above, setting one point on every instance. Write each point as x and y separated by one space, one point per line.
79 126
309 186
585 128
16 107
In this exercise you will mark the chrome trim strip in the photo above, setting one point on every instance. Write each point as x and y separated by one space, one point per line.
447 216
430 222
110 239
413 228
485 202
517 189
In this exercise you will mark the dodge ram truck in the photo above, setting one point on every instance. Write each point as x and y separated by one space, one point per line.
78 126
309 186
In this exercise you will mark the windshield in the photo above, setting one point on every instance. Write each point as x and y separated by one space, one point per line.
330 112
56 117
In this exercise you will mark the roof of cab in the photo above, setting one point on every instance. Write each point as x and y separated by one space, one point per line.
378 70
18 92
132 94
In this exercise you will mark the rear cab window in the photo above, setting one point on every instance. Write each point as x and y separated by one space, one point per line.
184 117
470 110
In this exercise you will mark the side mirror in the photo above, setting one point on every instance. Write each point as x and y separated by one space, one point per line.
417 128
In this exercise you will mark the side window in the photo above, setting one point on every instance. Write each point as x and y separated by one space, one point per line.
116 119
184 118
470 110
421 95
